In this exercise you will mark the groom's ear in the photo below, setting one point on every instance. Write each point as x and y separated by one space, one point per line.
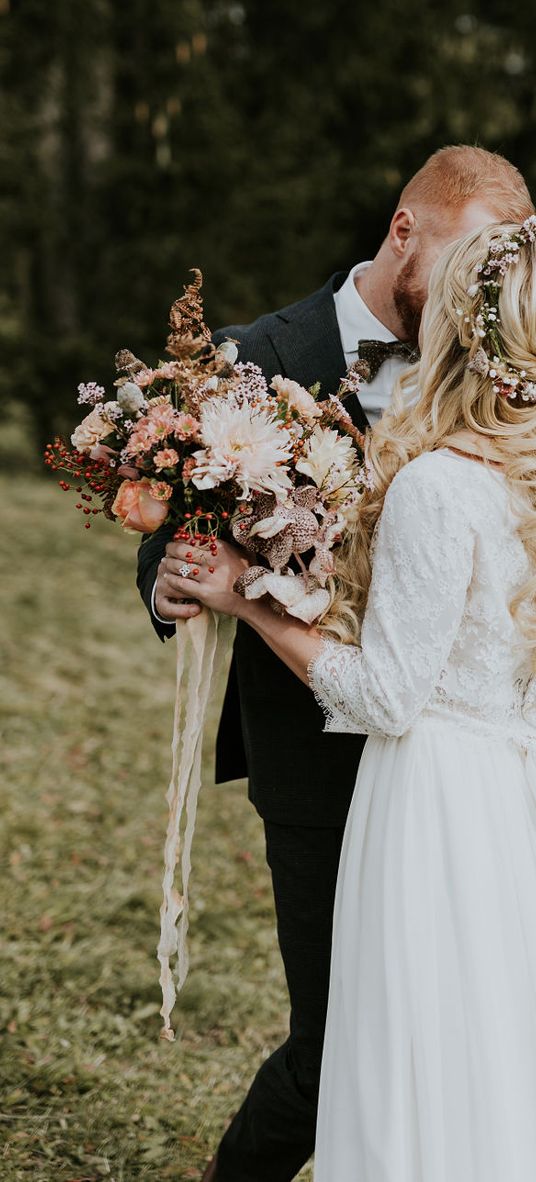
401 231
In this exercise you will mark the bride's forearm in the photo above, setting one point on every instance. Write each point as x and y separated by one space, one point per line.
294 642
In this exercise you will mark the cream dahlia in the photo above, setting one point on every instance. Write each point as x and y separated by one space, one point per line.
328 458
244 443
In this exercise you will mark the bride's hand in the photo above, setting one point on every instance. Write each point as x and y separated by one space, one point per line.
210 575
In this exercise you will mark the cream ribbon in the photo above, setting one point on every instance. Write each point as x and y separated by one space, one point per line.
203 648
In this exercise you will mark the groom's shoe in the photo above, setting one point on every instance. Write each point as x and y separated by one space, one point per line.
211 1174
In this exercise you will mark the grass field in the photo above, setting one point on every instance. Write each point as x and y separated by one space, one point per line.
87 1088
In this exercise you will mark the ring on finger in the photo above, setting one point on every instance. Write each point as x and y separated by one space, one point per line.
184 571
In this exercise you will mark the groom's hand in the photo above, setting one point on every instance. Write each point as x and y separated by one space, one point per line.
168 600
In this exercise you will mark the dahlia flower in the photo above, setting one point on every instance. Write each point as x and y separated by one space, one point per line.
328 458
244 443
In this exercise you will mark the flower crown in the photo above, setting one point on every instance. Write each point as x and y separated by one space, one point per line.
489 359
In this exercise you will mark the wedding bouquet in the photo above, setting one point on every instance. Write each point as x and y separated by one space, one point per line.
204 443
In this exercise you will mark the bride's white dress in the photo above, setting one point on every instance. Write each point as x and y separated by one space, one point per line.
429 1070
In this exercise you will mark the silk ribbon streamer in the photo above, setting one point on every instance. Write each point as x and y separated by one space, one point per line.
203 644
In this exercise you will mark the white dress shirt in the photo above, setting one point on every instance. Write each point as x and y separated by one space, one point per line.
357 323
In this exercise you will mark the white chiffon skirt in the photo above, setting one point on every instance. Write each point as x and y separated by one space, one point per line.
429 1068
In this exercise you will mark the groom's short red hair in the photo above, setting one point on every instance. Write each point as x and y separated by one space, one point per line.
453 176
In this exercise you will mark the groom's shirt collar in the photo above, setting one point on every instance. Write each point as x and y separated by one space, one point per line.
357 323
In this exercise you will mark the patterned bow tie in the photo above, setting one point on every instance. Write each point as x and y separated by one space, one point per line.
376 352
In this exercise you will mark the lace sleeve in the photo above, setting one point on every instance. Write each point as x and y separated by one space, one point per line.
422 566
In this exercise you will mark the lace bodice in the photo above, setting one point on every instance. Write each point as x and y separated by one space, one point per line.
438 638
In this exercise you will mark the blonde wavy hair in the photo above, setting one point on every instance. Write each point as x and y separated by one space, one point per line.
451 399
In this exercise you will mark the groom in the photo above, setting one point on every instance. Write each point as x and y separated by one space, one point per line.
300 779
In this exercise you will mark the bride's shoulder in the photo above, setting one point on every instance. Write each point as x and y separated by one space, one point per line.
429 469
441 469
438 480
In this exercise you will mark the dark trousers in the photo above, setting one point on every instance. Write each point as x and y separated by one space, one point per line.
273 1134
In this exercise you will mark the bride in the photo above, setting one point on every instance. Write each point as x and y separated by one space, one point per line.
429 1069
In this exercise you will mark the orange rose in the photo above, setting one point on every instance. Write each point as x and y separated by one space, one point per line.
137 509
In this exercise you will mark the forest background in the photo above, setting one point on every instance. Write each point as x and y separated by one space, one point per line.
265 141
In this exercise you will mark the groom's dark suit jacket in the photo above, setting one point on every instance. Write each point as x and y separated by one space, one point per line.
271 728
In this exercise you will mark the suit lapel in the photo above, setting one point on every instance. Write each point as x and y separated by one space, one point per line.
307 341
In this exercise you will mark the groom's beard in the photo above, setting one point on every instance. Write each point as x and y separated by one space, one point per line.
409 299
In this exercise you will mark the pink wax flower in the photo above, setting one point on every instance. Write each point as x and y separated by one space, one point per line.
186 426
161 490
167 457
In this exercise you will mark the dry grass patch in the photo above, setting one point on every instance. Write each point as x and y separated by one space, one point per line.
88 1090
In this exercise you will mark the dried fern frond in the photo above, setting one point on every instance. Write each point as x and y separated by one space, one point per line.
189 333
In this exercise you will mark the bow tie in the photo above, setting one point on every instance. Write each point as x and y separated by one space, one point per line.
376 352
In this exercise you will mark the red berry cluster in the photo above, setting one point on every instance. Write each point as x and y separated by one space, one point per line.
95 474
202 527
